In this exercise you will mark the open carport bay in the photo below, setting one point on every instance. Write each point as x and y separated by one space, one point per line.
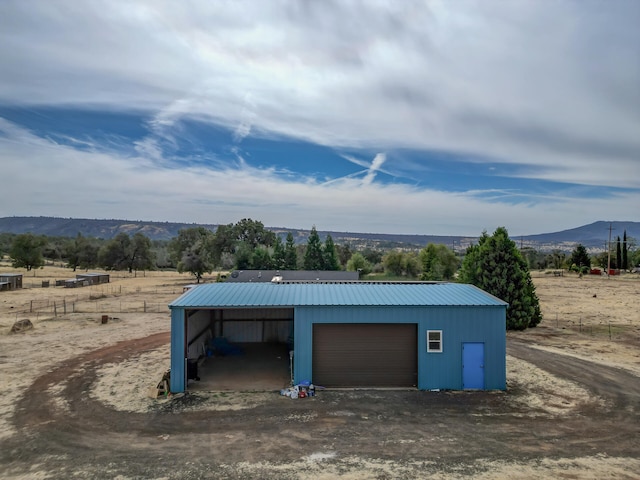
240 349
254 366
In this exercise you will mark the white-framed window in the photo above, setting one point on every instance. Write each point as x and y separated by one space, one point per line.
434 341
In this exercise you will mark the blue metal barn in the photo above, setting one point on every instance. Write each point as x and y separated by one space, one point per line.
420 335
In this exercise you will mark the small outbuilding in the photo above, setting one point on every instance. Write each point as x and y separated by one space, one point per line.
10 281
93 278
365 334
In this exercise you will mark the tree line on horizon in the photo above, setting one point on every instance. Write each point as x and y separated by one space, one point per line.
494 264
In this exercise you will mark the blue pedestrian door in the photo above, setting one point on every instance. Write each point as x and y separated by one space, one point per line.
473 366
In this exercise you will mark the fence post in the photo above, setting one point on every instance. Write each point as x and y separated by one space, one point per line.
609 329
30 306
580 324
55 310
64 305
145 306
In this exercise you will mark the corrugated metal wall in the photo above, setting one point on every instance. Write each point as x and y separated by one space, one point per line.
197 332
257 325
459 325
484 324
270 331
435 370
178 341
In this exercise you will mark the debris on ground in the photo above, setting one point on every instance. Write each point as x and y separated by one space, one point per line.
303 390
162 389
22 326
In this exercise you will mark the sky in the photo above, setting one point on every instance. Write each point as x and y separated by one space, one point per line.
415 117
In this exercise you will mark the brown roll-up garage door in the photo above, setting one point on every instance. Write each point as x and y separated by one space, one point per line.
365 355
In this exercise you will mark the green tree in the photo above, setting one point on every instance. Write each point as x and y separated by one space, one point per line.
618 253
26 251
6 240
555 259
580 259
438 262
329 256
535 259
161 253
394 262
290 253
253 233
344 253
278 259
127 253
224 242
634 255
241 240
192 251
53 248
81 252
625 253
261 259
412 266
496 266
373 256
313 258
357 263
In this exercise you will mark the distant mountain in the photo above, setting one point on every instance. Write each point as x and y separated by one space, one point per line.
70 227
593 236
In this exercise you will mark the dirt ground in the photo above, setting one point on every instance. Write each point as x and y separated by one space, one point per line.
74 398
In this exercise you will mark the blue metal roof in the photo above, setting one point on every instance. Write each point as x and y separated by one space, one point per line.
228 295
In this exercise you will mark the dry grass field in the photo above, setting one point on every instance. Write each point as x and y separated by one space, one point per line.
590 318
594 317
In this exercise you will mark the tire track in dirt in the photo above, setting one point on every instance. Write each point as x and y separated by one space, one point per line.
616 385
30 411
400 425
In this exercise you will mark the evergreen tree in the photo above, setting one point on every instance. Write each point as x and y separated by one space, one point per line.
290 253
625 256
261 259
278 260
244 256
496 266
580 259
313 258
618 253
329 255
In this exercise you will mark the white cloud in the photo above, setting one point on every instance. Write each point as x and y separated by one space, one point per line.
551 85
52 179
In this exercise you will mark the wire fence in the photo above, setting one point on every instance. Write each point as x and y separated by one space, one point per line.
96 299
601 329
48 309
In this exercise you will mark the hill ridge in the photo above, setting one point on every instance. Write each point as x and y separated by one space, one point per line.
593 236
